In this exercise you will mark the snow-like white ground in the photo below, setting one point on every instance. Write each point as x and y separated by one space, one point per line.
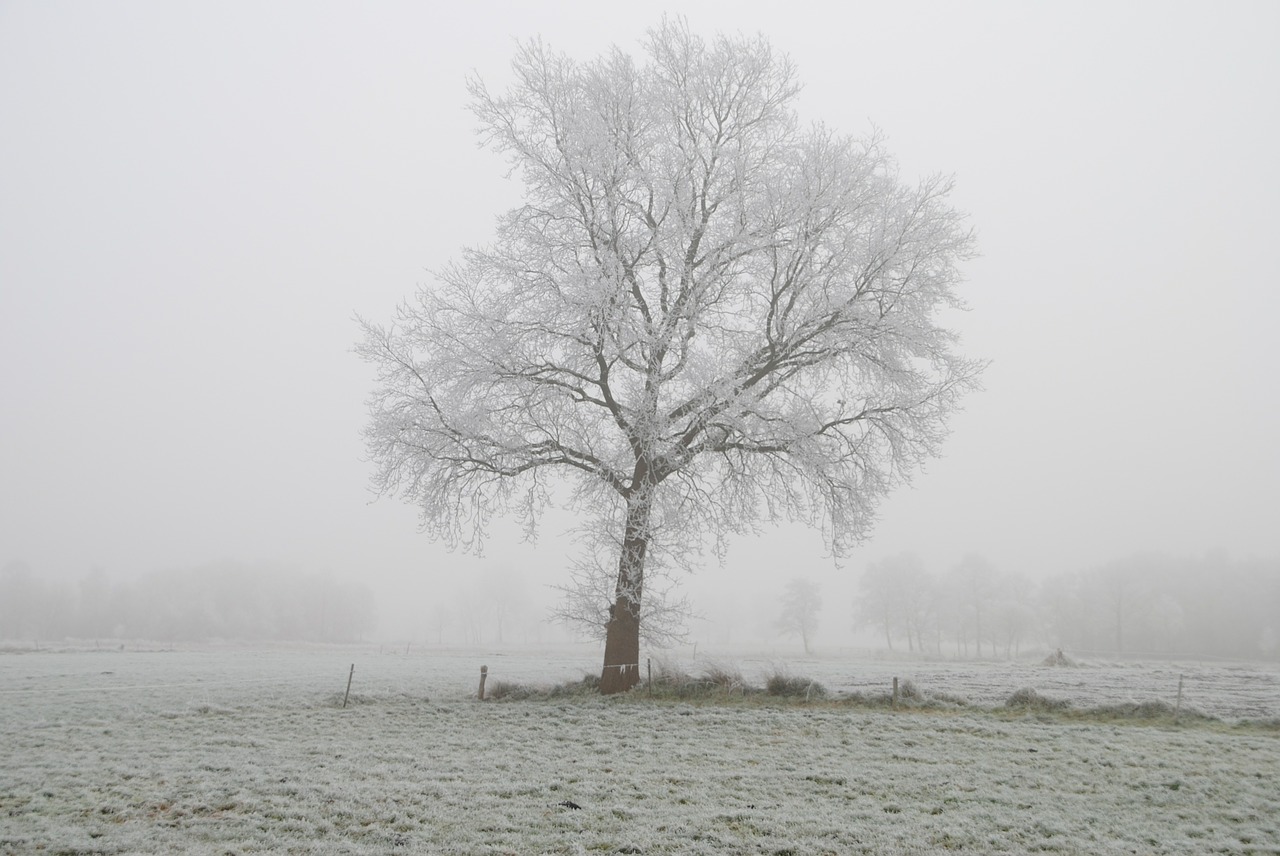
248 751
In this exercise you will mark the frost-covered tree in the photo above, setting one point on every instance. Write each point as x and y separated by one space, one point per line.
801 603
704 316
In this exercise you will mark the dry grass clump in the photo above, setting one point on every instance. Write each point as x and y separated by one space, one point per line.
793 686
671 681
1150 710
910 696
589 685
512 691
725 681
1029 699
908 691
1059 660
725 677
938 698
669 674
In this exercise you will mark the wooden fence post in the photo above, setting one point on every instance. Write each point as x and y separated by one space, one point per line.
484 673
351 674
895 694
1177 708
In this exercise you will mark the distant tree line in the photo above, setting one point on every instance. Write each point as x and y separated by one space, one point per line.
1143 604
224 601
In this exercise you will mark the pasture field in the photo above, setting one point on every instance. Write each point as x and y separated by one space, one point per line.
219 751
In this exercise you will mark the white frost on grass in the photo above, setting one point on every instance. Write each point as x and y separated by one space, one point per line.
249 752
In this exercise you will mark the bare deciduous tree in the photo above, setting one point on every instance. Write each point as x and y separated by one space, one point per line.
705 314
801 603
974 584
896 593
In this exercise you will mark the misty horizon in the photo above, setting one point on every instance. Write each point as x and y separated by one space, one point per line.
197 200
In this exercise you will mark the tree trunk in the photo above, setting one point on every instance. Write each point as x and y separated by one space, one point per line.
621 648
622 634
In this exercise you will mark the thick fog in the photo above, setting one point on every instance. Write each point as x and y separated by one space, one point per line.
197 199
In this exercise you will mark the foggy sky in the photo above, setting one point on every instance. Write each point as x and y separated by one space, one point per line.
196 198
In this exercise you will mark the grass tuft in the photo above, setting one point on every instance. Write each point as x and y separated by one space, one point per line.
1029 699
587 686
787 685
1059 660
1150 710
724 677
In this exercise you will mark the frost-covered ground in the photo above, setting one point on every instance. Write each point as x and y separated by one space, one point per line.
242 751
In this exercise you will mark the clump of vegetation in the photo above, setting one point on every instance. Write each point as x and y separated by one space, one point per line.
512 691
1029 699
937 698
908 691
793 686
724 677
861 699
1152 709
909 696
1059 660
913 696
669 674
589 685
671 681
509 690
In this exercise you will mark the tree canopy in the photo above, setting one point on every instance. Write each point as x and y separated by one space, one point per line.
706 314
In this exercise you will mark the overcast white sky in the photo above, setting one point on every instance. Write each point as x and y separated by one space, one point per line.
195 198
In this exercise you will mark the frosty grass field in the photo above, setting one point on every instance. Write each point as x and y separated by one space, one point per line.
249 751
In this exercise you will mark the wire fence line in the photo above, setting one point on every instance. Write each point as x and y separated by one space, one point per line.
1251 689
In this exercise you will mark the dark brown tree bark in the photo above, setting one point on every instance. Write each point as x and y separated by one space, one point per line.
621 648
622 634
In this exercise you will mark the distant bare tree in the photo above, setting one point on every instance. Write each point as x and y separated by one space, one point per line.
705 315
974 585
897 594
801 603
1013 617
